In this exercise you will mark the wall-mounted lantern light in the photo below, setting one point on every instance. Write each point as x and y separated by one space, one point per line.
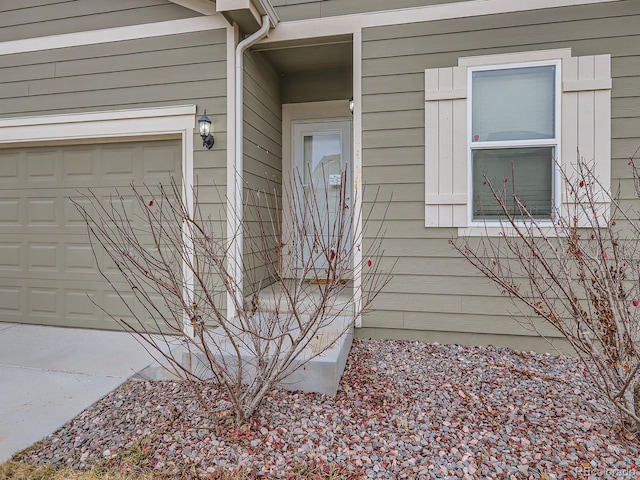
351 105
204 124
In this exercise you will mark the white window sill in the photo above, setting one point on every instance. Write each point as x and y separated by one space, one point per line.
545 229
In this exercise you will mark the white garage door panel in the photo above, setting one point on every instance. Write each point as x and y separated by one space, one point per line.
48 272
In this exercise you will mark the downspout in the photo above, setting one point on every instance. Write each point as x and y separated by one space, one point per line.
238 238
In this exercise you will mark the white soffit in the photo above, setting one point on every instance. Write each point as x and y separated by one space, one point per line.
205 7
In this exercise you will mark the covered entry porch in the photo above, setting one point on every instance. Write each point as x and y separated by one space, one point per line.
293 233
298 167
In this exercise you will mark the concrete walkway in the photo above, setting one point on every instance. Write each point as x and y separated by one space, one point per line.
49 375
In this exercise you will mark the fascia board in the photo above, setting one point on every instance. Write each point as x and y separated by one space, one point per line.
228 5
115 34
351 23
265 8
471 8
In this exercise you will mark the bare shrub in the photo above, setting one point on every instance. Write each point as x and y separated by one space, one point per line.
579 273
294 302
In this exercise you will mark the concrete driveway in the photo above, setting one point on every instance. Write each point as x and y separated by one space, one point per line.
49 375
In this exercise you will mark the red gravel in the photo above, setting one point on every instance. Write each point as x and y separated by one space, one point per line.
404 410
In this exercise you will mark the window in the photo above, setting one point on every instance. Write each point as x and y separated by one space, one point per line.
511 116
513 137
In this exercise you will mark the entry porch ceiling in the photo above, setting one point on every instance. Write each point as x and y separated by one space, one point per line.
331 55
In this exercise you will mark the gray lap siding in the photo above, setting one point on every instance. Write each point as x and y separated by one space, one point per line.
36 18
434 291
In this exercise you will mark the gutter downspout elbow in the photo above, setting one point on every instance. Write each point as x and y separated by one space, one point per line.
237 212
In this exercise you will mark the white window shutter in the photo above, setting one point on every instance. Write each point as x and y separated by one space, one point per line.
446 185
586 120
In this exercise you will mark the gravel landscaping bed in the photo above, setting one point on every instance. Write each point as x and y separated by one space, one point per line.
404 410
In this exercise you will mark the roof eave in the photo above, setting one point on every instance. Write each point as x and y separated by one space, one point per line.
247 13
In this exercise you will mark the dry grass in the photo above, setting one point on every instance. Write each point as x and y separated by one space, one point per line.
25 471
132 464
15 470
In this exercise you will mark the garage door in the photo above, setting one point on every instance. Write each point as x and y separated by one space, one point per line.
48 273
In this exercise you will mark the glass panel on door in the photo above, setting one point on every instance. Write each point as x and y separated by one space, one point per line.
322 150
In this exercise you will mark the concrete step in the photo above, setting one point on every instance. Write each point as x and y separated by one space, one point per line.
317 368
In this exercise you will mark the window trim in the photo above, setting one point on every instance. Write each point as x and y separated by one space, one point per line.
555 142
585 121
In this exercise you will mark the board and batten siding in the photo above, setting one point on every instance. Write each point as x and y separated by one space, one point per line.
435 294
303 9
20 19
262 164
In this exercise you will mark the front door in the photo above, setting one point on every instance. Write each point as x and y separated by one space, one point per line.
322 162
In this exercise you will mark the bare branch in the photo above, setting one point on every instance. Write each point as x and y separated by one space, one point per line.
298 298
579 272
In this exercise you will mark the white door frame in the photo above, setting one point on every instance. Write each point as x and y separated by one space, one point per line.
336 110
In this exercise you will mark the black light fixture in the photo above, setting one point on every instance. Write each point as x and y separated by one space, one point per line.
204 124
351 105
